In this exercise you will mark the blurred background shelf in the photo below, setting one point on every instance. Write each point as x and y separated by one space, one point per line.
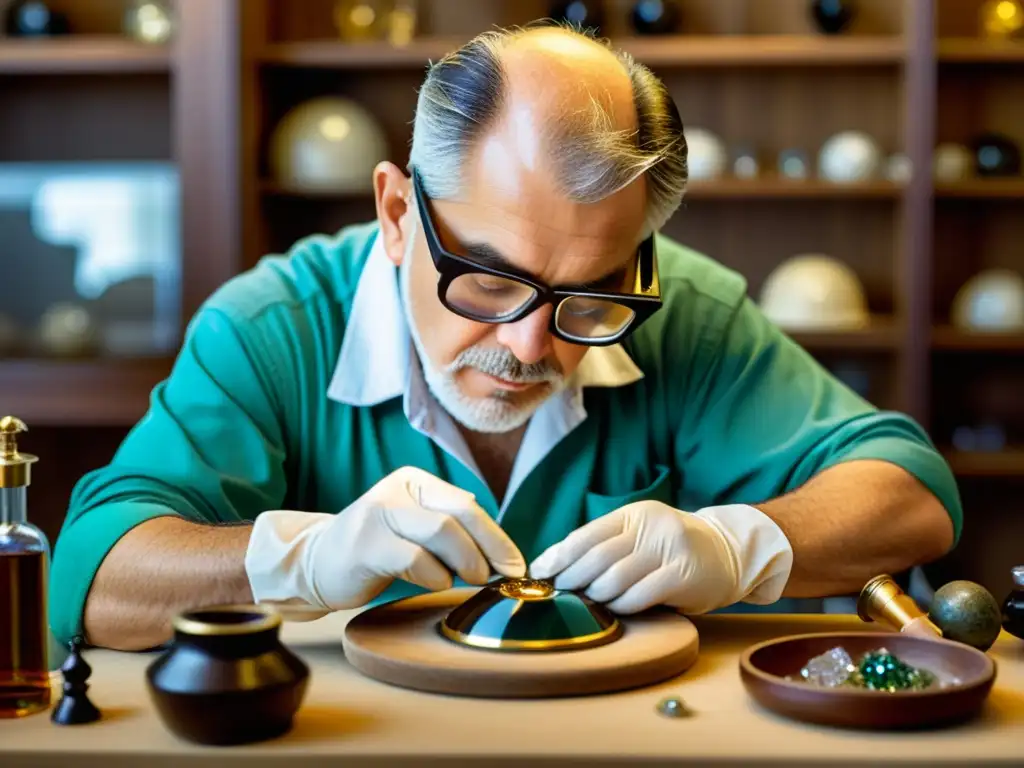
81 55
974 50
997 464
953 339
881 335
994 188
764 188
670 51
94 392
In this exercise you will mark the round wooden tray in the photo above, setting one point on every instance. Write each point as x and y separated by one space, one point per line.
399 643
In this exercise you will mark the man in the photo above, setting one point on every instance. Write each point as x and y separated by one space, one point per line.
509 372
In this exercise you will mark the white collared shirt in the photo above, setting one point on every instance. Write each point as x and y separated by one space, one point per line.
378 362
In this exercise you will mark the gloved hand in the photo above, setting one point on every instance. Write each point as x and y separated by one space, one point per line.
411 525
648 553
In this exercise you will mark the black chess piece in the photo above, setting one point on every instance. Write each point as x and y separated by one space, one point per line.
34 18
74 707
655 17
832 16
587 15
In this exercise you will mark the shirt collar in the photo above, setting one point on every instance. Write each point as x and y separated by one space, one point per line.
375 362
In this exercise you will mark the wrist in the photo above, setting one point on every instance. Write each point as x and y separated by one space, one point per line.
758 549
280 556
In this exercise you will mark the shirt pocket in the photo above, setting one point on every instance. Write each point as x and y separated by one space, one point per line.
597 505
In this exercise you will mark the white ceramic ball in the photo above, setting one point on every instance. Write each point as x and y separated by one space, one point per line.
899 168
329 144
952 162
992 300
706 154
9 335
849 156
813 292
68 330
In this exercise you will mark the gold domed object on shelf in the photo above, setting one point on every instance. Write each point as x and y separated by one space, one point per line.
530 615
1001 18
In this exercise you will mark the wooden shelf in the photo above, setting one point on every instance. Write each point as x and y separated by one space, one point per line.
992 188
976 50
676 50
882 335
81 55
951 338
271 188
717 189
94 392
773 188
1008 463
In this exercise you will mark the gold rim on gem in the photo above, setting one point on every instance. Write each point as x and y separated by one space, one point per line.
601 637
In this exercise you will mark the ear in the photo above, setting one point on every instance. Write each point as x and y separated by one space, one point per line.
392 191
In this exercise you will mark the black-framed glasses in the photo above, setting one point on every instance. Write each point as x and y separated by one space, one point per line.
487 295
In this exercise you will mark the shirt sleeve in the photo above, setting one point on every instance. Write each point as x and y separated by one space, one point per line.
210 449
762 417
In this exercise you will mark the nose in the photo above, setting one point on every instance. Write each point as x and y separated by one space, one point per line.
529 338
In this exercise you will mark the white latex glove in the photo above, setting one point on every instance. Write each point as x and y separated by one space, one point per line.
411 525
648 553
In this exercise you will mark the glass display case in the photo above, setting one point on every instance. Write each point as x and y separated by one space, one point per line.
90 255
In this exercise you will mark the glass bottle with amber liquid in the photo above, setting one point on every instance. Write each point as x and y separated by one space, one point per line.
24 563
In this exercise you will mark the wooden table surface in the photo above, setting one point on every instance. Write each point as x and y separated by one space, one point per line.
348 719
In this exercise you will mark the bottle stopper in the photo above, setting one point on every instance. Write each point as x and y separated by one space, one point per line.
14 465
884 601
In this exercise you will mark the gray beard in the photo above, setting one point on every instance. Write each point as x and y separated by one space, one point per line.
500 412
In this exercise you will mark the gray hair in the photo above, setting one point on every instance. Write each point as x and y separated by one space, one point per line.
464 92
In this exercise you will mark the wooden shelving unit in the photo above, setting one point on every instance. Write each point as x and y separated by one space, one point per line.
912 73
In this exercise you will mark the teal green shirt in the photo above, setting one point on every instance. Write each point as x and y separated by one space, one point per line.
263 411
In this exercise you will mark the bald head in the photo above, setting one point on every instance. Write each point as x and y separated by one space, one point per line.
565 105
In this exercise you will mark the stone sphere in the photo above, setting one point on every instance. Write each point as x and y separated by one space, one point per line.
967 613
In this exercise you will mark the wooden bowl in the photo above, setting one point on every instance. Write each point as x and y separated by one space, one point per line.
967 673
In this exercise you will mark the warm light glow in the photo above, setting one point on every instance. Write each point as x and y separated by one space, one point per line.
334 128
1007 10
362 16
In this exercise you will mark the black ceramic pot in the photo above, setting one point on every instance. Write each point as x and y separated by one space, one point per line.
226 678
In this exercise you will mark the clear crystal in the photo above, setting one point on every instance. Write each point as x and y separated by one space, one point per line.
830 669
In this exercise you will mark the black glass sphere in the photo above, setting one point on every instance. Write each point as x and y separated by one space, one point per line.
34 18
654 17
1013 606
832 16
996 155
585 14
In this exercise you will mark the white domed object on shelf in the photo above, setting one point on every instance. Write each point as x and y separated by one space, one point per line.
327 144
992 300
952 162
899 168
706 154
68 330
814 292
9 335
850 156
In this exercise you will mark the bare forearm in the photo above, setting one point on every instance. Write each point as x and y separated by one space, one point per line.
855 521
160 568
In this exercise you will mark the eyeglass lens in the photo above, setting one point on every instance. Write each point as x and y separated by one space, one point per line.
492 298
